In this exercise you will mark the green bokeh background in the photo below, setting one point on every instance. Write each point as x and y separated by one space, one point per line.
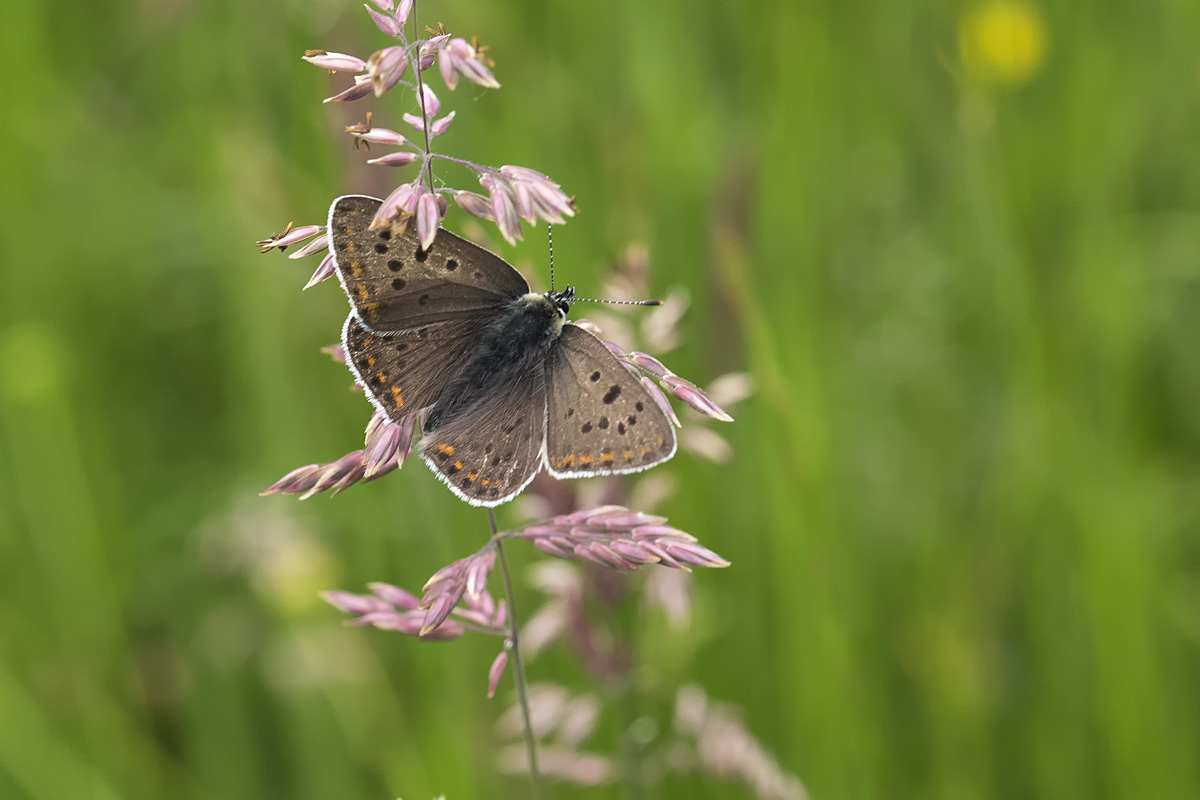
963 513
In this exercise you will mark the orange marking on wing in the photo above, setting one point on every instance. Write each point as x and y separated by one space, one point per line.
607 458
445 448
628 454
350 248
566 461
586 458
485 481
367 342
370 361
646 449
372 310
458 465
361 288
660 441
399 398
382 377
356 268
471 476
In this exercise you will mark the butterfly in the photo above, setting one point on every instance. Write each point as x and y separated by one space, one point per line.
507 385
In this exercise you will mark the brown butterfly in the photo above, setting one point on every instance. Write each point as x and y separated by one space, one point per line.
506 383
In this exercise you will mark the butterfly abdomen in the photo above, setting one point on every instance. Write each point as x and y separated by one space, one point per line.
512 349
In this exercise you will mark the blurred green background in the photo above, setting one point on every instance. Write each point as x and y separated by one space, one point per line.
957 246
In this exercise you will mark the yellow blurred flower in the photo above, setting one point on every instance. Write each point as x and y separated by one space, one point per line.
32 361
293 578
1003 42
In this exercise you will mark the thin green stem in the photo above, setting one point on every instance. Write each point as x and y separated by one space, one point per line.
518 664
469 164
631 757
416 63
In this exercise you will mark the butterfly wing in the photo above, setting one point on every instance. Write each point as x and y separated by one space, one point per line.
394 285
406 371
600 420
491 451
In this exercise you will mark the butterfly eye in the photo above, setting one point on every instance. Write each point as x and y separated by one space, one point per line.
566 299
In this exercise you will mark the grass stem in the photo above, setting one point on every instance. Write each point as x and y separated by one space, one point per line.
518 664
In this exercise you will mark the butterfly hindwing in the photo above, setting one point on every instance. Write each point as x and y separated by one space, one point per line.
491 451
407 371
394 285
600 419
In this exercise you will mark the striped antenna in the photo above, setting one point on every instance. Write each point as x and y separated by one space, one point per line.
571 291
619 302
550 237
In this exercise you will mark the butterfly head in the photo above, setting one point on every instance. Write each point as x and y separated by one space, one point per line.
562 300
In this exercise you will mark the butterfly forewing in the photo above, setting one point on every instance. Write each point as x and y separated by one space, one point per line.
406 371
491 451
600 419
395 285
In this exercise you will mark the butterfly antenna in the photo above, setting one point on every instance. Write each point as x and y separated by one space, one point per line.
550 238
619 302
